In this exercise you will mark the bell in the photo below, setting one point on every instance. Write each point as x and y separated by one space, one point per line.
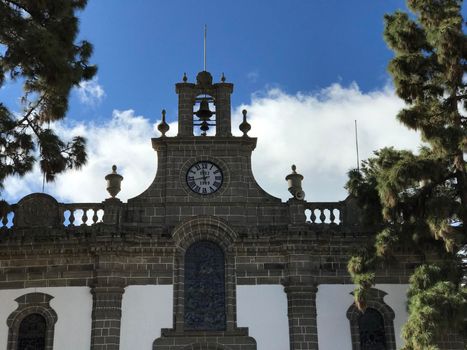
204 113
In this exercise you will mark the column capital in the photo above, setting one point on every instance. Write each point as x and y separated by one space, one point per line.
107 289
293 284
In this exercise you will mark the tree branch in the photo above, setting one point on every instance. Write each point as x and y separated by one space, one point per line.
29 112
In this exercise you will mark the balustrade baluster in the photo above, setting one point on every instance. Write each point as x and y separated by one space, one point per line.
313 216
72 217
94 217
332 217
84 218
322 217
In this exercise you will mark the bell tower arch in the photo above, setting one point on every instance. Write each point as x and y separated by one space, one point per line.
204 93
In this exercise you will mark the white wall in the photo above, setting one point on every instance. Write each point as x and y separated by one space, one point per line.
397 300
263 309
73 306
145 310
332 303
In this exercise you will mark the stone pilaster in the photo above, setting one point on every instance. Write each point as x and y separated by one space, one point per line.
106 317
303 330
112 211
296 211
186 99
223 109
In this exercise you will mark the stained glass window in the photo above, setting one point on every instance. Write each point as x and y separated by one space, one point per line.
371 326
32 331
204 287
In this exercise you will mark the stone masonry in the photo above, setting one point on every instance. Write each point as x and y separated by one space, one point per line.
110 245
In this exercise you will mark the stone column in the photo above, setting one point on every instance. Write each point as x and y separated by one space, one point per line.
106 317
303 331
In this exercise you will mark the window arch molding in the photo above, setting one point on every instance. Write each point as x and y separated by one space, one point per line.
28 304
374 301
207 228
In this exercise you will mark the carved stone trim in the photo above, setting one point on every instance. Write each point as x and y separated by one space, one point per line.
32 303
37 210
207 228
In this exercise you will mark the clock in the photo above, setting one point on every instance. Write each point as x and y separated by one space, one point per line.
204 177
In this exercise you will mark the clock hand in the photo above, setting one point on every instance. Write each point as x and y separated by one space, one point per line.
203 174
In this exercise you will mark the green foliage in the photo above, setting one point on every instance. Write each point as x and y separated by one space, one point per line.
420 200
437 302
360 267
385 242
38 38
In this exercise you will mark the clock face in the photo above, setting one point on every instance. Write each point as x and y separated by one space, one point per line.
204 177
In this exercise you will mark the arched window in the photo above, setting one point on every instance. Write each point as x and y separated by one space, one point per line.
32 333
371 327
374 328
204 284
31 325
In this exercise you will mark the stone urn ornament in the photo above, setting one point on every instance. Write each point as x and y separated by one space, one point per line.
294 181
114 181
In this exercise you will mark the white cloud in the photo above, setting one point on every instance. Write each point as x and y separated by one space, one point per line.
90 92
124 141
315 131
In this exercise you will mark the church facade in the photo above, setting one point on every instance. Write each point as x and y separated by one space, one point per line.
203 259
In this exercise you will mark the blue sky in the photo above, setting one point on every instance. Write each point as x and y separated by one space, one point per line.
143 47
305 70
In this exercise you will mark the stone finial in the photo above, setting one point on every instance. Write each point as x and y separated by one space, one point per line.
163 127
294 181
244 126
223 77
114 181
185 79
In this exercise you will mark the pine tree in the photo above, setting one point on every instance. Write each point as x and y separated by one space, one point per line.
38 50
420 200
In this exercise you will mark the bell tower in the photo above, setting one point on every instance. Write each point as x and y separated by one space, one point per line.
204 169
204 107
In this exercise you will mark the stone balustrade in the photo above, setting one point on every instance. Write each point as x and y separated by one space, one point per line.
331 213
40 210
46 212
78 214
